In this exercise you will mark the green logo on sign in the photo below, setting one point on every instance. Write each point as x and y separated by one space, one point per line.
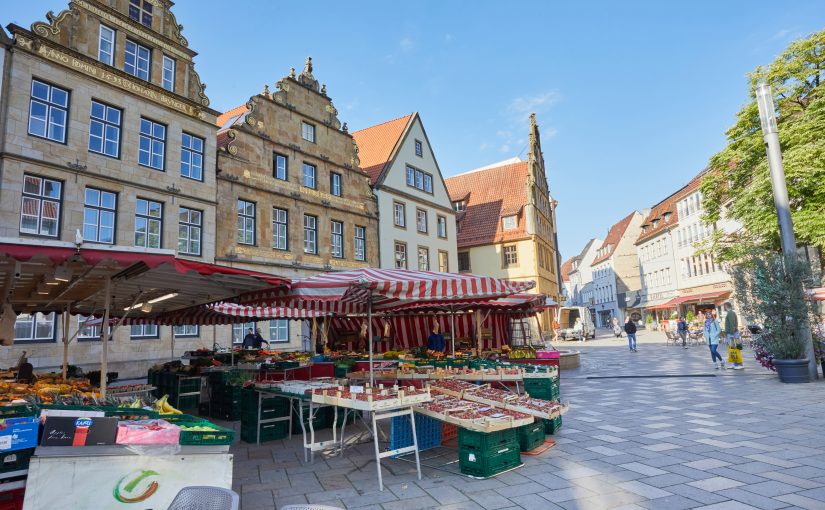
137 486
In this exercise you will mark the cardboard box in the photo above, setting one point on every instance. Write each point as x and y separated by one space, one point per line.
18 433
78 431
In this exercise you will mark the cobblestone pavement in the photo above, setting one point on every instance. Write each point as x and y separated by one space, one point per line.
634 438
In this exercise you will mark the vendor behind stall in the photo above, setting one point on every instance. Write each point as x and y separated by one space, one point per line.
436 340
249 339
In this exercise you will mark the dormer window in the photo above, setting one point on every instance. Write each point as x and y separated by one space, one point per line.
644 229
141 11
460 205
655 222
509 222
667 216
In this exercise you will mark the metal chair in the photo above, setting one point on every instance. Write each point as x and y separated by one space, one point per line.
671 337
205 498
310 507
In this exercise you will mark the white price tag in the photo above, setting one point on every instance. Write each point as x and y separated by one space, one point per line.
356 389
5 442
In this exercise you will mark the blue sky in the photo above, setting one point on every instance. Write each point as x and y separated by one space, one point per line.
632 98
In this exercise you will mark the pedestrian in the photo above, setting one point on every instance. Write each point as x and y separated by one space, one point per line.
435 342
630 329
712 331
249 339
259 339
682 330
732 334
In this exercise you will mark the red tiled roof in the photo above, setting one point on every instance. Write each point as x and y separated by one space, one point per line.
234 112
667 205
490 194
614 235
566 268
376 144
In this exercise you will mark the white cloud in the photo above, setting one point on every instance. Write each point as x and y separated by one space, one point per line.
534 104
406 44
781 34
504 148
483 146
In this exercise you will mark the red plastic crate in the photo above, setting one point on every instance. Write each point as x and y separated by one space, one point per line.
12 500
448 432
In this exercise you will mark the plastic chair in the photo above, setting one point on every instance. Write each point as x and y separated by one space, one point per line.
310 507
205 498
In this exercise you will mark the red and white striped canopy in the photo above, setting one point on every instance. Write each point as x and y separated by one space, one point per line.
350 291
817 294
267 312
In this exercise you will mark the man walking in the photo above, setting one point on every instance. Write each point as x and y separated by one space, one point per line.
732 333
630 329
682 330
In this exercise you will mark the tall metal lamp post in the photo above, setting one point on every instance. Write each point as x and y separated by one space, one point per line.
770 133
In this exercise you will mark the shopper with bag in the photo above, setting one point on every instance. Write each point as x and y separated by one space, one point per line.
734 341
682 330
712 331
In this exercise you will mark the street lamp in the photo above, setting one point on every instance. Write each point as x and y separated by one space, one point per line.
770 133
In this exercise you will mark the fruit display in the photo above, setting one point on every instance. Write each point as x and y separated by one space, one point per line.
48 389
378 373
490 396
164 407
298 388
452 387
536 407
368 398
472 415
522 353
540 371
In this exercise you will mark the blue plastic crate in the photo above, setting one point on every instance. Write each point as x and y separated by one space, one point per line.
427 431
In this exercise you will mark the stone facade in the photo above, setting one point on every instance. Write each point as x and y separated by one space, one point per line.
95 69
265 149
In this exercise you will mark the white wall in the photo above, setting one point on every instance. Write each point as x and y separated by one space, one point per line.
703 269
657 266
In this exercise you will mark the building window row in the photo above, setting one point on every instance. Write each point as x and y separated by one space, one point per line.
693 233
699 265
39 327
278 330
690 205
48 111
419 179
657 278
423 258
137 57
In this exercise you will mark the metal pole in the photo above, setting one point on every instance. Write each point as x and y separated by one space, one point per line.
104 351
770 134
452 329
66 318
173 342
369 340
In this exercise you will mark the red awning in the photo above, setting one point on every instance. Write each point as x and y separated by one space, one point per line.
817 294
709 297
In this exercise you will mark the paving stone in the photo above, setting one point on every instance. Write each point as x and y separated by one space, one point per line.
802 501
749 498
666 480
707 464
728 505
674 502
411 504
490 500
643 469
771 488
643 489
716 483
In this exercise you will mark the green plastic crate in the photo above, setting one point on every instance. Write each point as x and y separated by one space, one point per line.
219 435
531 436
269 432
483 465
176 418
17 411
187 402
552 426
16 460
481 441
128 413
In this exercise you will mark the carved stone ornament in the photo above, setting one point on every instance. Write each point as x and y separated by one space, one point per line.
265 91
53 27
200 87
355 160
344 128
283 89
230 146
307 79
250 117
333 121
176 28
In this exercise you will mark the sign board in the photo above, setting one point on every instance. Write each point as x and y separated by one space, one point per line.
120 482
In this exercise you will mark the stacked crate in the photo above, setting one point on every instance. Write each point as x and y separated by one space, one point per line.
482 455
427 432
271 407
185 392
552 426
545 388
531 436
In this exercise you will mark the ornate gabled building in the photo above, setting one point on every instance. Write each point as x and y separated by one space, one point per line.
507 222
294 200
106 136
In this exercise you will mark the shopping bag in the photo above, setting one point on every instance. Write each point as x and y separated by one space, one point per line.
734 355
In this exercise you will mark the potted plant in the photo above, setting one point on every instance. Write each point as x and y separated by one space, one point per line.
770 292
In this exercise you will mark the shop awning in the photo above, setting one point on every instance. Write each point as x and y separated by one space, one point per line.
658 304
39 278
817 294
709 297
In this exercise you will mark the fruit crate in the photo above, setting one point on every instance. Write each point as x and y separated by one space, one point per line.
552 426
16 460
218 435
539 383
485 441
544 394
187 402
531 436
427 432
269 432
17 411
188 384
177 418
226 391
486 464
449 432
129 413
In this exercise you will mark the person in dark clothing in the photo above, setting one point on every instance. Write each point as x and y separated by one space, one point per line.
682 331
436 340
630 329
249 339
259 339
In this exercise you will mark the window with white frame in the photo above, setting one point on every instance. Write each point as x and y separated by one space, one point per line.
335 184
239 331
152 145
441 226
400 255
190 231
187 330
280 228
279 330
246 222
104 129
106 45
308 132
419 179
421 221
99 213
443 262
310 234
40 210
168 76
510 255
137 60
399 216
360 243
460 205
509 222
89 332
419 148
423 258
141 11
36 327
191 157
148 223
279 166
310 173
337 239
138 331
48 109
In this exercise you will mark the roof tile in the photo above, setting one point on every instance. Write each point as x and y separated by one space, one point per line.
668 205
614 235
376 144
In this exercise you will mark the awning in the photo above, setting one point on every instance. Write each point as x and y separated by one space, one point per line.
709 297
46 279
658 304
817 294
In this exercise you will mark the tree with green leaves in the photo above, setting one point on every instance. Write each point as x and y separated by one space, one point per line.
737 184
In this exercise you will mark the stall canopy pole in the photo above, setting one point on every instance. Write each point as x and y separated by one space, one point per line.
452 328
104 351
479 345
369 338
173 342
66 342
